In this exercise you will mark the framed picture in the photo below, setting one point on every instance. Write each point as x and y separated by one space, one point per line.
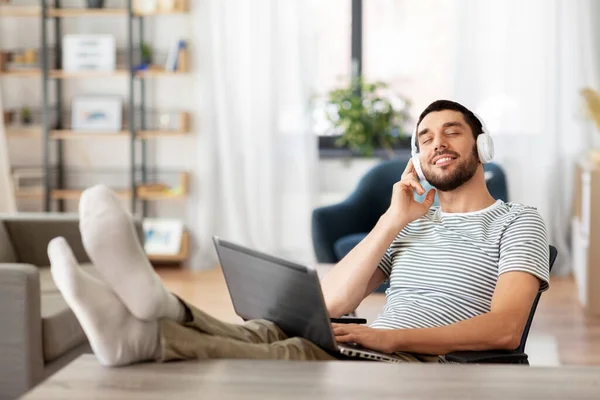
89 53
162 236
97 114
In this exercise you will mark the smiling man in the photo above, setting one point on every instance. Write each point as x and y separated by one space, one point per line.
463 276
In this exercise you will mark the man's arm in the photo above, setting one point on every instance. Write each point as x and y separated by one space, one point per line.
501 328
357 275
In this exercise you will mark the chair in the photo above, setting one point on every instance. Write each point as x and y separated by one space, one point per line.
516 356
337 228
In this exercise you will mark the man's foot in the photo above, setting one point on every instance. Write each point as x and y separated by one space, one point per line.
116 336
110 239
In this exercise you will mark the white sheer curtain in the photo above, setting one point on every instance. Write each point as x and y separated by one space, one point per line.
258 156
7 193
521 65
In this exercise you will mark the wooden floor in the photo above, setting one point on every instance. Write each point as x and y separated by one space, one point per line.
559 313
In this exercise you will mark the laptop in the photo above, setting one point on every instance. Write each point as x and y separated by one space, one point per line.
262 286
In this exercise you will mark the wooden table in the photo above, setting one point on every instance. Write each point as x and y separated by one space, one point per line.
233 379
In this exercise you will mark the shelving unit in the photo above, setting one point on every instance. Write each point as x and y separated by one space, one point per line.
55 136
133 132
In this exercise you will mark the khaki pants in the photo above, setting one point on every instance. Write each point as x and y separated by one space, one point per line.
202 336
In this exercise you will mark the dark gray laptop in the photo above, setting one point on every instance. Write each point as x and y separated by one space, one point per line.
262 286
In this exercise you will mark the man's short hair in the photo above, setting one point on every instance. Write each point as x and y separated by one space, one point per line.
441 105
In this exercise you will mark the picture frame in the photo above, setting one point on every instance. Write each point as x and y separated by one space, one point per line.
89 53
162 236
97 114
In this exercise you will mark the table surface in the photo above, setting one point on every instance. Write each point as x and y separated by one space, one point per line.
84 378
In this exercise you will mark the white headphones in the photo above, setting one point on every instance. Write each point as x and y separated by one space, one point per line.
485 148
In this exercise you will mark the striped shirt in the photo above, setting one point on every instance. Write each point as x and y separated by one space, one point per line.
443 267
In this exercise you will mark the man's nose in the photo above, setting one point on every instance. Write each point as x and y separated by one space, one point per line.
439 142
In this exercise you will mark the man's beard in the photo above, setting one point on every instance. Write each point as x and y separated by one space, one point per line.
462 173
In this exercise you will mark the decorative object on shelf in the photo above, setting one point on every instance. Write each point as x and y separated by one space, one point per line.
162 236
172 121
163 190
8 117
177 59
26 116
28 180
4 59
89 53
366 115
144 6
95 3
167 5
592 105
97 114
145 57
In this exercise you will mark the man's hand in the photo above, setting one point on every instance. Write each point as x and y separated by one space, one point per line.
374 339
403 207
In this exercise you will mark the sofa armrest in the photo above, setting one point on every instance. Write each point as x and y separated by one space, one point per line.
487 357
31 233
21 360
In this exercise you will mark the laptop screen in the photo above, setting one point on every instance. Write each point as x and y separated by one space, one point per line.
266 287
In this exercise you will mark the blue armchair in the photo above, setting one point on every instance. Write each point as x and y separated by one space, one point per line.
337 228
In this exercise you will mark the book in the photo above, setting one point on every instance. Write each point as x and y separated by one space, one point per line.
173 57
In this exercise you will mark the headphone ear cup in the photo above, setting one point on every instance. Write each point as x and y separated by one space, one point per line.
485 148
417 164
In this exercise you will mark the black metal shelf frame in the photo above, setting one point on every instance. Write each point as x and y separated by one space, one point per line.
46 123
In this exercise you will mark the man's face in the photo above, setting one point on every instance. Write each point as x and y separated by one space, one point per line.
448 150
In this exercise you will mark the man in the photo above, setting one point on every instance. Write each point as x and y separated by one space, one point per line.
462 276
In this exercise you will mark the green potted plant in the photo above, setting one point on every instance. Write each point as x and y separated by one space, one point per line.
366 116
146 53
26 117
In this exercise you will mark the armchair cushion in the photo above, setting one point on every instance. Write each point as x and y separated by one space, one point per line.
343 245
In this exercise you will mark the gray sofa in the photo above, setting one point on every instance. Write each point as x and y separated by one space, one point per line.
39 334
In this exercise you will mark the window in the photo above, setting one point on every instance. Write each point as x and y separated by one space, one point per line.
409 44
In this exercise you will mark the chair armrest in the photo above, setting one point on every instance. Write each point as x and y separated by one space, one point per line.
31 233
21 360
330 223
487 357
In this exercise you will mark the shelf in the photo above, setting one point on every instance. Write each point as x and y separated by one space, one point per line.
151 73
69 134
75 194
180 257
27 132
143 135
104 12
160 134
29 194
22 74
86 12
59 74
20 11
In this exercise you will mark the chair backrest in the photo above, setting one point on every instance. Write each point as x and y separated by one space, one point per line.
521 348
